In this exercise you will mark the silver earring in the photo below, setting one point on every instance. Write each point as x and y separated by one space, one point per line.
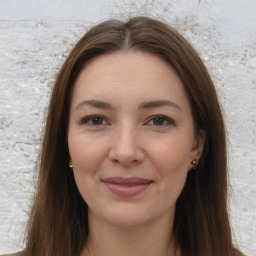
70 166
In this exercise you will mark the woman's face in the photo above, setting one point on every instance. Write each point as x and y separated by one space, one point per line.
131 138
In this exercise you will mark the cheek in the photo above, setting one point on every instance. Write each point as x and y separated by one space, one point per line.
171 161
171 164
85 153
85 158
171 155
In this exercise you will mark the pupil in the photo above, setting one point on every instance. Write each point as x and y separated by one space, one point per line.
97 120
158 121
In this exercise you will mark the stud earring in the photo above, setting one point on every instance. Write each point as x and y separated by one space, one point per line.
70 165
194 161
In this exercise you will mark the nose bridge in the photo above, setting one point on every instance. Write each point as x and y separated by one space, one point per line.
126 137
126 144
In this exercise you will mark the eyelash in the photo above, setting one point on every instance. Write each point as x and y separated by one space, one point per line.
164 119
167 120
92 118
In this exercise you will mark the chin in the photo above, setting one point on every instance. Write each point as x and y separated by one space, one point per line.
128 216
128 222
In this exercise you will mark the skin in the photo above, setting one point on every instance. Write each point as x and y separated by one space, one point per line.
129 136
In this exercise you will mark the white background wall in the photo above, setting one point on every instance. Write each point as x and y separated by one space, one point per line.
35 36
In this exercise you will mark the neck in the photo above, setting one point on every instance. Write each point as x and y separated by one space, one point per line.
151 239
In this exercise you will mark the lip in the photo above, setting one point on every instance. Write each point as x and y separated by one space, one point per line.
127 187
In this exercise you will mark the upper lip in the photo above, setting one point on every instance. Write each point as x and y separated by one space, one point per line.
127 181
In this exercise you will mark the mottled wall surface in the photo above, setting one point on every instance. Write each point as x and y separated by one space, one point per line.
35 37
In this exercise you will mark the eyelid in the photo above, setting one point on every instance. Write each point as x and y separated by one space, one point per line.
86 119
168 119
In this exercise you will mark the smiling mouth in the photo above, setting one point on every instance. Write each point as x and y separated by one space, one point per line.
127 187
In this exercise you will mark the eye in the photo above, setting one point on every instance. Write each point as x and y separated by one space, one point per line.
160 121
94 121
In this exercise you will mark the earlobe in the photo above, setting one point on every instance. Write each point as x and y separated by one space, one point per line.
70 164
194 161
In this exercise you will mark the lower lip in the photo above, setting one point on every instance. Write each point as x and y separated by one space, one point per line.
125 190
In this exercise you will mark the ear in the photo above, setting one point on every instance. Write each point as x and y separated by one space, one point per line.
197 147
70 161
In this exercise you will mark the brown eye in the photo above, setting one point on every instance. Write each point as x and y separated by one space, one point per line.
97 121
94 121
160 121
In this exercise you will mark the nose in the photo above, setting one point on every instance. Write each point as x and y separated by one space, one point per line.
125 147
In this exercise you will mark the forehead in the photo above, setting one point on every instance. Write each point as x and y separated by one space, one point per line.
122 77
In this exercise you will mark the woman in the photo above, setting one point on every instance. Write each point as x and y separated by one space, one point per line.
133 160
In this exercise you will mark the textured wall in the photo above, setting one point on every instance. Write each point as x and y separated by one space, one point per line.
35 37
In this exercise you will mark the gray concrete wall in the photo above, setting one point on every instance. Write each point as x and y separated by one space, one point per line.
35 37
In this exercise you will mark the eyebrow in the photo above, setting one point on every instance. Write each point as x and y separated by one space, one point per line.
144 105
158 103
95 103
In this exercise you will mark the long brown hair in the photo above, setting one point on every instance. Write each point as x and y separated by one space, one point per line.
58 224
